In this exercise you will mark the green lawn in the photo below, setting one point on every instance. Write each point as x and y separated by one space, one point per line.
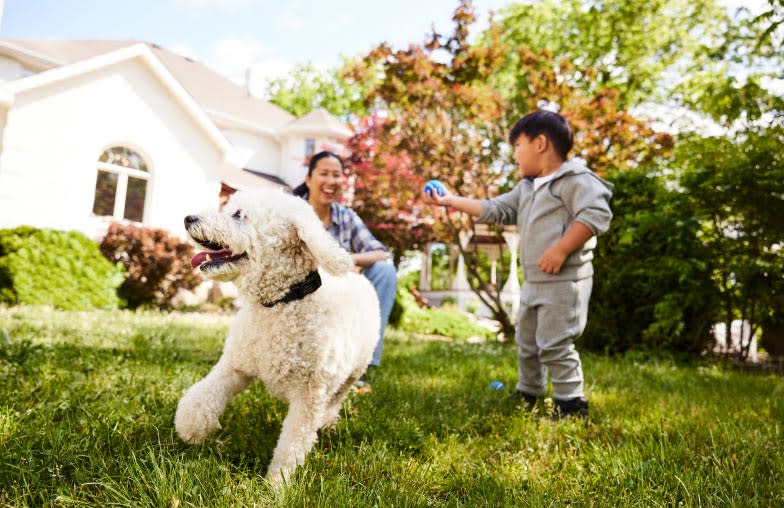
87 402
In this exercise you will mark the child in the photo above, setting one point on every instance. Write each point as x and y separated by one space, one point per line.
560 206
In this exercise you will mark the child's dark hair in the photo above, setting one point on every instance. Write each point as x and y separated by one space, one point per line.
302 189
552 125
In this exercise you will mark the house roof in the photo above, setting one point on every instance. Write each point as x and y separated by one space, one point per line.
269 177
223 100
242 179
319 121
142 53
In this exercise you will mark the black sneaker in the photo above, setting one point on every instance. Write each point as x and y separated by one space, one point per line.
528 400
570 408
362 382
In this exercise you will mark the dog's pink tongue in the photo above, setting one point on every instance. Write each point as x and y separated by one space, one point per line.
201 257
198 259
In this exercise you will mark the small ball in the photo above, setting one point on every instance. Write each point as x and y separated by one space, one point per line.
435 186
496 385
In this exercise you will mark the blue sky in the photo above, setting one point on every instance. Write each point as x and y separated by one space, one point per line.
231 35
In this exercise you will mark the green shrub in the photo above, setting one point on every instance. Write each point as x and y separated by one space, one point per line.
158 264
49 267
410 317
652 283
445 321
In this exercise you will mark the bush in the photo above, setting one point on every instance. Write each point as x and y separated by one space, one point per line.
58 268
652 282
409 317
158 264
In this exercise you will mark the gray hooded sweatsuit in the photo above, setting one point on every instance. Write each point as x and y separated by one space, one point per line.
553 307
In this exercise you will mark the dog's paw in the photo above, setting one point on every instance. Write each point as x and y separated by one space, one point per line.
278 477
193 423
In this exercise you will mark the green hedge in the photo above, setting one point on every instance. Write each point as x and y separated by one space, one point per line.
58 268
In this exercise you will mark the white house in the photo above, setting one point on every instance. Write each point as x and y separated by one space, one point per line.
97 131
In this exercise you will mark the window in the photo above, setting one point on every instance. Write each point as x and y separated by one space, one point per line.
310 148
121 186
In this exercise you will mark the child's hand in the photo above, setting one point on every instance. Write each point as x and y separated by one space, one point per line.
552 260
435 193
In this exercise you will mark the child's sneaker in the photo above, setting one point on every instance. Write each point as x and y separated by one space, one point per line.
528 400
570 408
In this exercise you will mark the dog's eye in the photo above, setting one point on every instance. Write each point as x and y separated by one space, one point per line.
237 215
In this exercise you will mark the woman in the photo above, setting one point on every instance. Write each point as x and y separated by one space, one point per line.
321 188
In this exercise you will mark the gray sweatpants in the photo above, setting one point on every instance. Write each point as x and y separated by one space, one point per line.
552 316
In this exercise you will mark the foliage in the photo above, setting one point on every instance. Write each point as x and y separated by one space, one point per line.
307 88
89 400
737 191
445 321
158 264
630 45
733 84
49 267
386 190
652 281
446 120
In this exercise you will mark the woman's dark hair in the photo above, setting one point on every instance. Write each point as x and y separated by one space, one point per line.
302 189
552 125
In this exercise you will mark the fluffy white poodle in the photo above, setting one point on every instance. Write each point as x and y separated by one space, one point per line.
307 325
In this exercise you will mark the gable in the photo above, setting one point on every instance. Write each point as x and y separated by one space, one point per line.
142 58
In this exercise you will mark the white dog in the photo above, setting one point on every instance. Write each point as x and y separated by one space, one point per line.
307 325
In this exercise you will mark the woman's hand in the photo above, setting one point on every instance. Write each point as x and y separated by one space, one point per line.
364 259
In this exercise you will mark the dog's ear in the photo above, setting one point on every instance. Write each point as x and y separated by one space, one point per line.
329 255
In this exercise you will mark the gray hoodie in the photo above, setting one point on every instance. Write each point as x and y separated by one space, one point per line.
544 214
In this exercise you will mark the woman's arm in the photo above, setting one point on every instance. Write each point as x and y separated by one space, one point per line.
367 258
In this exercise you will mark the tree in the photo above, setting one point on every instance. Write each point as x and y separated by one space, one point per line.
386 190
737 191
307 88
653 287
633 45
445 119
730 80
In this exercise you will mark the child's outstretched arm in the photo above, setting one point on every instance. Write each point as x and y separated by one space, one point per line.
470 206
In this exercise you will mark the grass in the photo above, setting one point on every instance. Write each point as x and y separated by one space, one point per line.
87 401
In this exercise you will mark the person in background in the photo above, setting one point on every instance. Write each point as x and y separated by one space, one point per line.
322 187
559 206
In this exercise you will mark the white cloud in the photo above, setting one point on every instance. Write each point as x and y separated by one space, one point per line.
246 61
292 17
263 71
183 50
233 56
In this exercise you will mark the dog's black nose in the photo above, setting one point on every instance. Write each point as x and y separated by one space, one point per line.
191 219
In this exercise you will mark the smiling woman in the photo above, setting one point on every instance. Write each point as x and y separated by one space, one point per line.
322 188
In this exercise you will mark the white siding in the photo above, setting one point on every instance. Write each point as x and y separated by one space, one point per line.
54 135
10 69
258 152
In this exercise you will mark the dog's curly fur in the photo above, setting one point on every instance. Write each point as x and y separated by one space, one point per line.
308 352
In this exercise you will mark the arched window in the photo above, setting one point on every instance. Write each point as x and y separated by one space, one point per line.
121 186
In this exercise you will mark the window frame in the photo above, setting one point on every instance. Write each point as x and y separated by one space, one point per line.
121 191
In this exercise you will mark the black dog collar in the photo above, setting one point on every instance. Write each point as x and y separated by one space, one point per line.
299 290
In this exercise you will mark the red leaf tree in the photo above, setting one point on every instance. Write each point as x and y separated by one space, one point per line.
444 118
